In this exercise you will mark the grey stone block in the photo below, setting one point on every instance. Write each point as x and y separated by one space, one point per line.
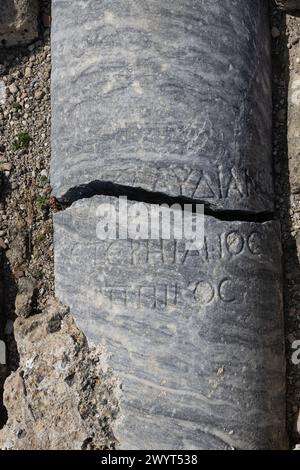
18 21
195 338
169 96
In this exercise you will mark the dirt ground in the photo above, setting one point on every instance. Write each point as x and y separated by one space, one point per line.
26 205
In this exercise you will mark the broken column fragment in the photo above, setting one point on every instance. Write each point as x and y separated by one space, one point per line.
171 97
195 337
157 99
293 128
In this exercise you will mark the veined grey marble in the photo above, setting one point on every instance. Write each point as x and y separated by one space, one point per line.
195 337
169 96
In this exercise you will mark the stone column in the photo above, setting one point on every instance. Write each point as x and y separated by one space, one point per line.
293 128
171 102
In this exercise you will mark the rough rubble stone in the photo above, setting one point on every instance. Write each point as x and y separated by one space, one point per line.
196 338
60 397
18 22
289 5
171 97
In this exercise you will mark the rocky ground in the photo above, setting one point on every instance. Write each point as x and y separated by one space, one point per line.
44 346
57 395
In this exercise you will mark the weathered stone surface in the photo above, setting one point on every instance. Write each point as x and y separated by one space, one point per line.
194 337
169 96
289 5
61 396
18 21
